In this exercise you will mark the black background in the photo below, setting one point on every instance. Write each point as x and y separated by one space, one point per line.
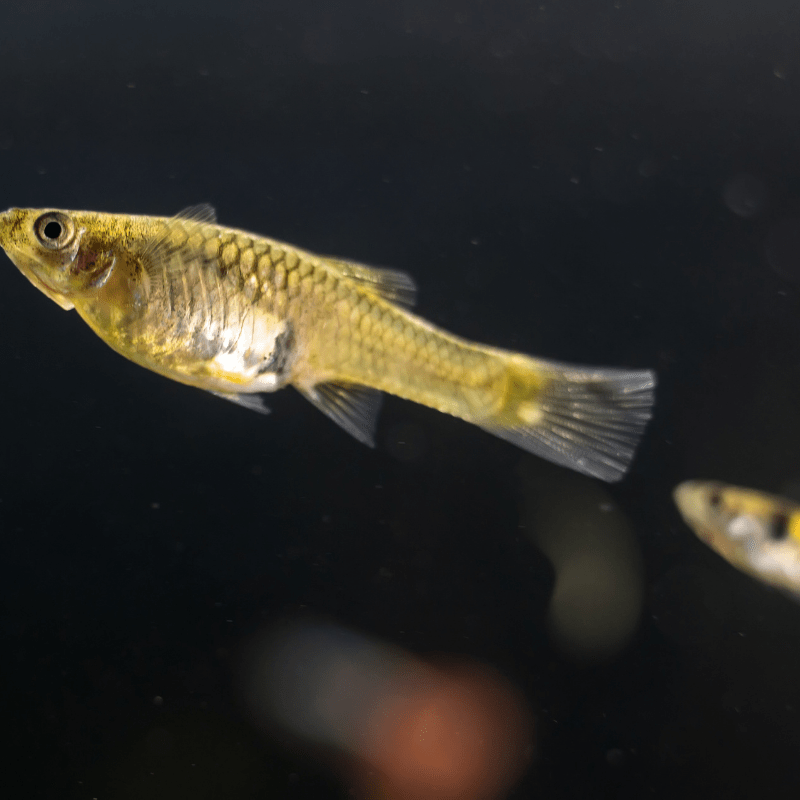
553 175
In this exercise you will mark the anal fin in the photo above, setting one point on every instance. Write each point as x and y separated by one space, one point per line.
352 406
252 401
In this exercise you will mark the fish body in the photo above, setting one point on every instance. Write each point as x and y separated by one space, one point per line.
239 314
757 533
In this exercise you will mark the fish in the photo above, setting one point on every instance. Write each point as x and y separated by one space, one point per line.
239 315
756 532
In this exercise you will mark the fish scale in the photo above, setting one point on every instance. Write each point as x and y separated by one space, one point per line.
239 314
353 347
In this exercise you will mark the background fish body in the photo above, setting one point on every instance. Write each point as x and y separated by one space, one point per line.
758 533
238 314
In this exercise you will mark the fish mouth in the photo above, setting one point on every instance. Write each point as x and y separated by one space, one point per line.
688 500
57 297
705 535
28 267
12 240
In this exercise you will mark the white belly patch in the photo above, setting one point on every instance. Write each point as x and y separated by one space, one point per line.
260 355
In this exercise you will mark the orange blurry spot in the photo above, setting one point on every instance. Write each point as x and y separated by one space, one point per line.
395 727
454 733
441 743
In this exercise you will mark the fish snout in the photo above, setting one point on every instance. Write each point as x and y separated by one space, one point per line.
686 494
691 499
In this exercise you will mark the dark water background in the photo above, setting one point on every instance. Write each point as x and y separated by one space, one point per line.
614 184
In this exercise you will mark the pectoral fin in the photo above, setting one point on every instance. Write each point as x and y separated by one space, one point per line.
172 254
350 405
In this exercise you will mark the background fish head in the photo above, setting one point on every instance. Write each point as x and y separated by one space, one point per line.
692 500
707 508
746 527
65 254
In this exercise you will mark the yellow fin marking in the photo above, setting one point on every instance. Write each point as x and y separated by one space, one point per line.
530 413
794 526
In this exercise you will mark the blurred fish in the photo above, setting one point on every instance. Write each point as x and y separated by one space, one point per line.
394 726
758 533
237 314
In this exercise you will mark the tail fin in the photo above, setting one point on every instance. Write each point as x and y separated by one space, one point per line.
587 419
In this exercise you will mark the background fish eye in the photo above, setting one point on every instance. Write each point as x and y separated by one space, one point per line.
778 528
54 230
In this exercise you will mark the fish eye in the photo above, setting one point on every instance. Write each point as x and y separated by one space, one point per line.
778 528
54 230
715 498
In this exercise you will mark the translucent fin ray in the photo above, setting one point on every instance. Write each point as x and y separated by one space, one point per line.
203 213
590 420
352 406
391 284
253 402
169 254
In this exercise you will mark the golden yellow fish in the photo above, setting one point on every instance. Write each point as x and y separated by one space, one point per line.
237 314
758 533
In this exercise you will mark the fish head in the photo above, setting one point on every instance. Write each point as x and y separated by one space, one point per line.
757 532
714 512
701 506
65 254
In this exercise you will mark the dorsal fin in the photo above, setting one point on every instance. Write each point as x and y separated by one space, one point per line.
391 284
201 213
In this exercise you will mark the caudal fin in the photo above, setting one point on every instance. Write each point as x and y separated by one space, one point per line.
587 419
